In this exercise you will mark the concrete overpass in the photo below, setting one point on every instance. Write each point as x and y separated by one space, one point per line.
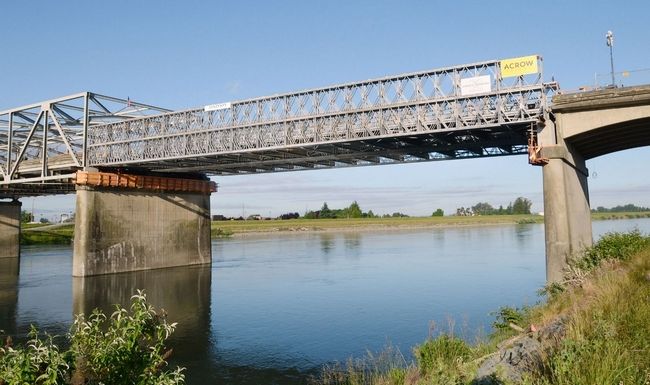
582 126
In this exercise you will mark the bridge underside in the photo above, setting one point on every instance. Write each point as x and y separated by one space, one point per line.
440 145
612 138
433 146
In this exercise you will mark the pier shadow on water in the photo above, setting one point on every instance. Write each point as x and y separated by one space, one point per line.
183 292
185 295
9 268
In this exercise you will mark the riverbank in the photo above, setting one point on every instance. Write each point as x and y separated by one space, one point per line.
61 234
239 228
44 234
592 329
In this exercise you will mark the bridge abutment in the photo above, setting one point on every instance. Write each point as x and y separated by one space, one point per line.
10 229
130 230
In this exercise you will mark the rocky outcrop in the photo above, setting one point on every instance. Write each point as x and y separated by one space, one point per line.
521 355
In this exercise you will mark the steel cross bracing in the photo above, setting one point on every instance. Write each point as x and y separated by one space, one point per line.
411 117
43 144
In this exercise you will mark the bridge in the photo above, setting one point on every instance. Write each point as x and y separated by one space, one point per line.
132 164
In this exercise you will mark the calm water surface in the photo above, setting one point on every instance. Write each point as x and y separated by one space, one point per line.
273 309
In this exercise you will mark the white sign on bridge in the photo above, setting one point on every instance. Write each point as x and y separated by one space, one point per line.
218 106
475 85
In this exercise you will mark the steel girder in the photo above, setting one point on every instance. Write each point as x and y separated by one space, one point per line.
427 104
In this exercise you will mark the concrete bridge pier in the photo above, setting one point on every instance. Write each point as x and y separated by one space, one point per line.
10 229
127 229
567 215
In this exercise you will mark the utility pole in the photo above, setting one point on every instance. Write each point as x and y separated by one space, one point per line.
610 43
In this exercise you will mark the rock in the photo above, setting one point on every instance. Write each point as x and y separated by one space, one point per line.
522 355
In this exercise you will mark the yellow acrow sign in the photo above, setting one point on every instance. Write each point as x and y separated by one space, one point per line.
518 66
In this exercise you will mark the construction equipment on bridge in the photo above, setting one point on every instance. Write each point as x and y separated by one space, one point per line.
534 149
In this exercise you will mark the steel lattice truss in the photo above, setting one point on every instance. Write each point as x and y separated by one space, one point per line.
412 117
42 144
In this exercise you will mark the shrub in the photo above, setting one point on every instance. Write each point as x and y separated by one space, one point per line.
507 315
612 246
443 352
126 348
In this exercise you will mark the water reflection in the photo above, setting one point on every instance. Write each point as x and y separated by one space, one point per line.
183 292
352 242
9 268
326 243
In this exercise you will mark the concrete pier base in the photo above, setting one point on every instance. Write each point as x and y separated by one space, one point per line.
567 216
10 229
119 231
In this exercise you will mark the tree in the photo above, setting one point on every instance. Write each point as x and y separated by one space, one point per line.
325 212
521 206
311 214
26 217
438 213
354 211
290 216
483 208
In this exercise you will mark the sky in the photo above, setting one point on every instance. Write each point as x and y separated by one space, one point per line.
182 54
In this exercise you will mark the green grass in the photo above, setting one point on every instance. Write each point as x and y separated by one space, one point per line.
370 223
620 215
62 235
224 229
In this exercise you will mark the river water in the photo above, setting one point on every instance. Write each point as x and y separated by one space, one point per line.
272 309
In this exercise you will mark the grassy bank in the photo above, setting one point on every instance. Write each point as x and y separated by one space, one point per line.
238 227
46 235
228 228
42 234
593 329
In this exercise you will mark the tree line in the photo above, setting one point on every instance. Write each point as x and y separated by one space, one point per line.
521 205
628 208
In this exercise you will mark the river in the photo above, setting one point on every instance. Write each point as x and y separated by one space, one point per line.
272 309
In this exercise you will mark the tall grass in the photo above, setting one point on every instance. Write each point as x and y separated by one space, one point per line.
608 330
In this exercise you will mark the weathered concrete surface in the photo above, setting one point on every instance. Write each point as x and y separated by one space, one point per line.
10 229
567 215
119 231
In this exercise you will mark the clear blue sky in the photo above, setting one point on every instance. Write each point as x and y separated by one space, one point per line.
180 54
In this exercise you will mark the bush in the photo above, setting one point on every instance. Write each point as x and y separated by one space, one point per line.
509 315
126 348
612 246
443 353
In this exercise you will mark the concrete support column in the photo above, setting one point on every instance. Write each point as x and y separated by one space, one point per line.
567 216
10 229
126 230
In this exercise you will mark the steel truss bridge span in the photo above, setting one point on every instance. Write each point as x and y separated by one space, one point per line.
422 116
